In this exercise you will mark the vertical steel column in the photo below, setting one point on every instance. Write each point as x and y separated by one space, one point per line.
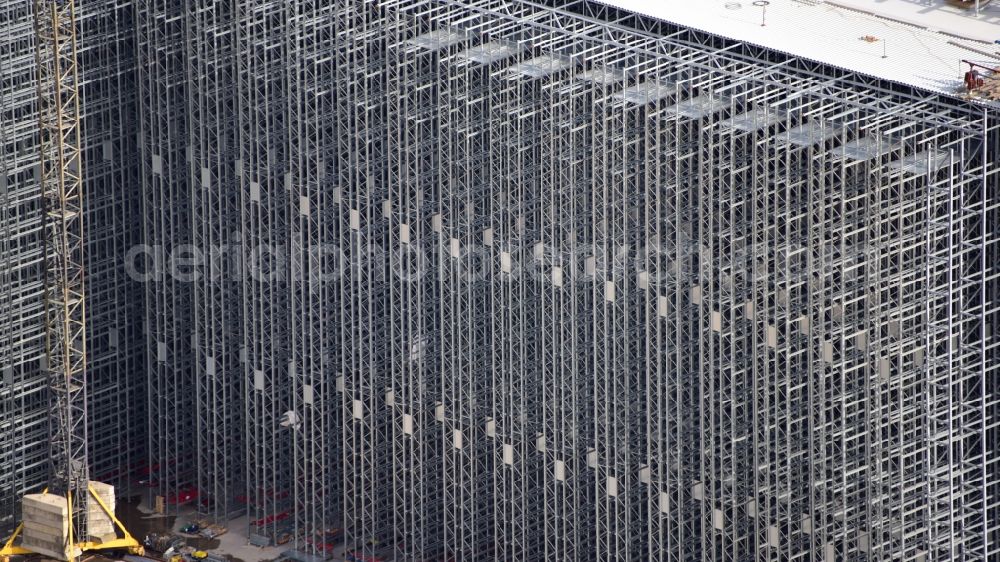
115 344
217 290
367 434
261 97
315 271
160 35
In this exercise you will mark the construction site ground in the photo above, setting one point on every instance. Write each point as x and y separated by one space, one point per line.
141 520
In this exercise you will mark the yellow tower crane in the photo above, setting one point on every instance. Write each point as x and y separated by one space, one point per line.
56 523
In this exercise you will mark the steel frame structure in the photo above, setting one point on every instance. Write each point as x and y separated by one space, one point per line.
61 174
115 350
170 407
790 240
548 280
61 178
116 441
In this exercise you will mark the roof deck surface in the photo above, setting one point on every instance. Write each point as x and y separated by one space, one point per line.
916 42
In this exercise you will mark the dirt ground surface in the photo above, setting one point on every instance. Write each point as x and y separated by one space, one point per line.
140 521
233 545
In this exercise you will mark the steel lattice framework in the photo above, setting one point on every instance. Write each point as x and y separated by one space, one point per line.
113 339
524 282
491 279
65 295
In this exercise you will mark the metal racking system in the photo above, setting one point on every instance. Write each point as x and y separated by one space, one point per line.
22 341
717 287
164 184
360 195
237 173
504 279
115 350
114 339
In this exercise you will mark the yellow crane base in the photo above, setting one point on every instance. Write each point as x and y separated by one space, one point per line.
126 543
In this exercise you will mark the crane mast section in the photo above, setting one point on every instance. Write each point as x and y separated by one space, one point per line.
62 204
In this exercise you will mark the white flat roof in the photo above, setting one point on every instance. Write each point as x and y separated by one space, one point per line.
914 43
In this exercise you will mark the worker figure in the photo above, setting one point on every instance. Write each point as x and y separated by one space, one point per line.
973 80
